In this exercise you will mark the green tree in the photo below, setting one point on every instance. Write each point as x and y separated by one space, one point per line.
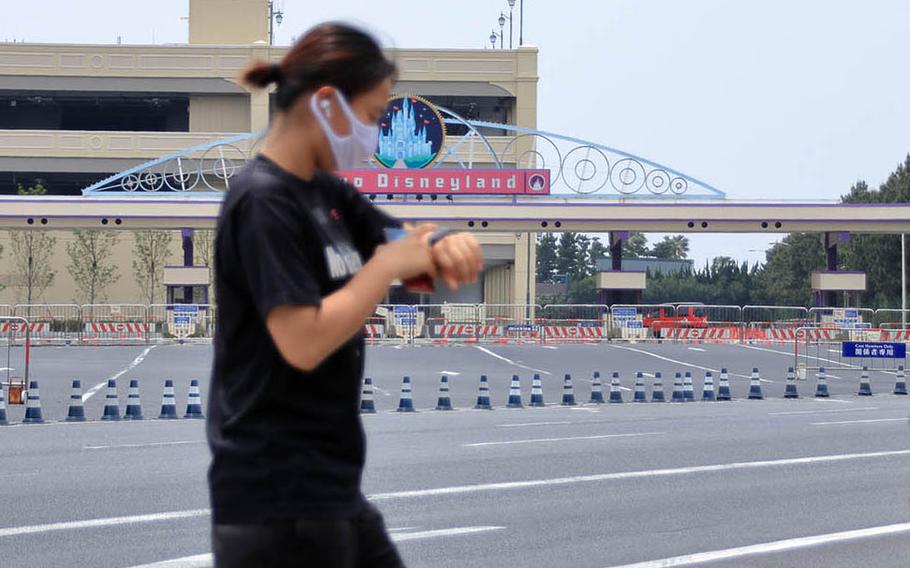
567 255
151 251
90 264
636 246
546 257
204 255
672 248
784 278
32 251
581 268
597 251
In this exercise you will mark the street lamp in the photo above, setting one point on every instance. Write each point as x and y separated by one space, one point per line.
276 16
493 36
502 18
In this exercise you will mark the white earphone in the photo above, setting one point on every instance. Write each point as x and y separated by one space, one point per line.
326 106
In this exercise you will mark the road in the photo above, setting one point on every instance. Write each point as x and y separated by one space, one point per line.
593 486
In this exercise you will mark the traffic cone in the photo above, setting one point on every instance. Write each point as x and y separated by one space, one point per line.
406 403
755 385
194 401
688 388
790 391
865 387
483 395
568 393
640 395
900 382
678 395
821 385
514 394
597 389
537 392
133 404
76 412
367 405
168 401
444 402
33 405
723 388
111 402
707 391
615 392
657 390
3 421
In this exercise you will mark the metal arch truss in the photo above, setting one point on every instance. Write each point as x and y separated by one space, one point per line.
576 166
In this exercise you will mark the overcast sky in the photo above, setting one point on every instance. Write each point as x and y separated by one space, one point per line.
781 99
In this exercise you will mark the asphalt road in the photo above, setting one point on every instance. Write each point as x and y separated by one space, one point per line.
591 486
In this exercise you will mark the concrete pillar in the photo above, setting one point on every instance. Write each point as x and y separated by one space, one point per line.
187 236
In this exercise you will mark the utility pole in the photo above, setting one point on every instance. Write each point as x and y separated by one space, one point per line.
903 281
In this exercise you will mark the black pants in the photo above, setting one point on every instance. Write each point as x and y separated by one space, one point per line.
359 542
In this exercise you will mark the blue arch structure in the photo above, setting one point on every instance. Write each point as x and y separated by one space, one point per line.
577 167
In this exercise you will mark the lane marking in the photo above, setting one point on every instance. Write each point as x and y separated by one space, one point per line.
795 412
91 392
684 363
520 424
771 547
696 349
553 347
147 445
623 475
511 362
840 400
859 421
109 522
453 373
833 351
543 440
832 361
207 560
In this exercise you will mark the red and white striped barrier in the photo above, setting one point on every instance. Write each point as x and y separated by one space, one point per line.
123 328
466 330
703 333
373 330
18 327
572 332
901 335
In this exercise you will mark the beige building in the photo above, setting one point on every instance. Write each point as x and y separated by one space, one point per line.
71 115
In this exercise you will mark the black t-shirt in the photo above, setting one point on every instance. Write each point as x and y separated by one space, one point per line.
286 444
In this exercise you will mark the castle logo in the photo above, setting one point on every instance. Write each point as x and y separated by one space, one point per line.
412 134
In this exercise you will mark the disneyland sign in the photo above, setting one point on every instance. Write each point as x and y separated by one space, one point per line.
450 182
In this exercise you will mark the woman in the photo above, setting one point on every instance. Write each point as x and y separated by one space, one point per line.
300 263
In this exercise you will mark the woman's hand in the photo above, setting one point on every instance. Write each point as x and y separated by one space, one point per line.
458 258
411 255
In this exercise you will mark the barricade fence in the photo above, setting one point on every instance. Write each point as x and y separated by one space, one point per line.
131 324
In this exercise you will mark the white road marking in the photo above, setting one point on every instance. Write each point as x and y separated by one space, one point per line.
109 522
91 392
520 424
771 547
840 400
452 373
623 475
832 361
148 445
859 421
833 351
569 439
795 412
550 347
696 349
684 363
511 362
207 560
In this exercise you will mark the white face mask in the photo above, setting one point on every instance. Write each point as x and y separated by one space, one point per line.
353 150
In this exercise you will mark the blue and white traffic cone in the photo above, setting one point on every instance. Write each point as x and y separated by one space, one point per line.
865 387
367 405
194 401
678 395
900 382
821 384
3 420
168 401
657 389
688 388
790 390
615 391
444 402
483 395
568 393
514 394
406 403
640 394
133 403
111 402
33 405
597 389
707 391
537 392
76 411
723 387
755 385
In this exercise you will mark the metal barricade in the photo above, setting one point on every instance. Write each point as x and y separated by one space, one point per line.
185 322
641 322
401 322
826 347
451 323
892 319
50 324
574 323
510 323
848 318
15 384
698 323
774 324
116 324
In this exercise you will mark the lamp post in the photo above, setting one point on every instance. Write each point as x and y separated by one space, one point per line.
276 16
502 21
903 281
493 36
521 23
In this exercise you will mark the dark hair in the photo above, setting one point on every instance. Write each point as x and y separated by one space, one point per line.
329 54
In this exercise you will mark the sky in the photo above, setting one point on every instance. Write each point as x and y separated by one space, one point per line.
778 99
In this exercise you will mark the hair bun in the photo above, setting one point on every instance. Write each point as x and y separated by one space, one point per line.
275 73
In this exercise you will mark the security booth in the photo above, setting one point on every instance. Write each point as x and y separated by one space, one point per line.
621 286
838 289
187 298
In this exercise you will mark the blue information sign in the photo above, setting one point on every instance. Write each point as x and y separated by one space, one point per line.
876 350
517 328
